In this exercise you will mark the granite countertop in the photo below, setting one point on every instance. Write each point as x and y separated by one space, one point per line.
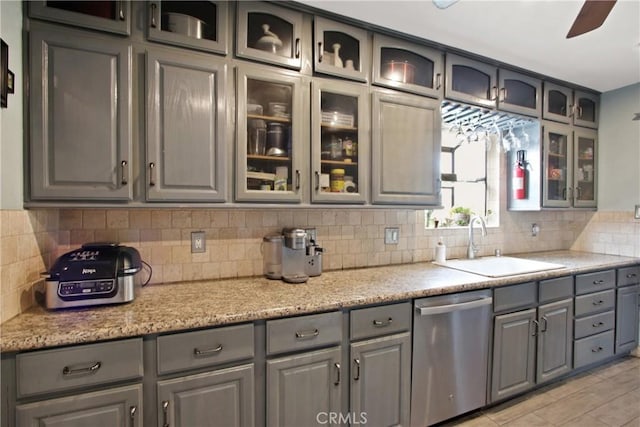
182 306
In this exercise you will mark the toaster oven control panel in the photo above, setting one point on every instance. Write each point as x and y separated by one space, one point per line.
86 288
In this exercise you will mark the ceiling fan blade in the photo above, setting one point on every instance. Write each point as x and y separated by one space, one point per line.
443 4
591 16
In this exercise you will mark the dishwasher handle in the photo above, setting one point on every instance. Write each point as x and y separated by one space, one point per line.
450 308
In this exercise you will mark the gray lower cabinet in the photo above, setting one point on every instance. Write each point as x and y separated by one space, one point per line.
555 340
304 389
514 353
115 407
381 381
405 133
627 318
80 115
186 127
221 398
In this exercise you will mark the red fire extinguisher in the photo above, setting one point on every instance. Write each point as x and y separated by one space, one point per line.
519 178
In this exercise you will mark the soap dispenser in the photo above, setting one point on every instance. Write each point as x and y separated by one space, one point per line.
441 251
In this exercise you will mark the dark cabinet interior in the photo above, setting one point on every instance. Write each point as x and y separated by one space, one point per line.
471 81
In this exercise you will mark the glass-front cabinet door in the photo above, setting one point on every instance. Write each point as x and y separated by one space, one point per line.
557 103
268 33
586 109
341 50
558 160
519 93
399 64
470 81
269 129
339 142
585 168
196 24
111 16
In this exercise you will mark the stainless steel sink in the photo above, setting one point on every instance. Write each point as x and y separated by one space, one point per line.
492 266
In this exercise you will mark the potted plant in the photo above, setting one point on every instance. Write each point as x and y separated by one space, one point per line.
461 215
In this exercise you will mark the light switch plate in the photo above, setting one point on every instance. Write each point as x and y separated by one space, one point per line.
391 235
198 242
637 212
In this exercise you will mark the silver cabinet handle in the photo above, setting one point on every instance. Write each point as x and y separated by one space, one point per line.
382 323
579 112
297 47
631 275
123 168
121 11
337 381
535 328
93 367
597 324
450 308
297 179
319 52
494 93
132 415
599 302
356 370
438 81
317 180
207 352
544 328
301 335
598 282
503 94
153 22
152 180
572 110
165 413
597 349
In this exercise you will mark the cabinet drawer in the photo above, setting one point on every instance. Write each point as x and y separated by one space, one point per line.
383 320
594 324
555 289
78 366
593 349
628 275
298 333
593 282
178 352
514 297
595 303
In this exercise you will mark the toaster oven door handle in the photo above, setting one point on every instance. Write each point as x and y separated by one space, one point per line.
207 352
93 367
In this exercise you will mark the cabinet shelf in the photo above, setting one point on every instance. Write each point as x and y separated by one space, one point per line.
338 162
329 126
269 118
271 158
558 155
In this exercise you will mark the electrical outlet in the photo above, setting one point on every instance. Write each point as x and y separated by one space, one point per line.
637 212
391 235
535 229
198 242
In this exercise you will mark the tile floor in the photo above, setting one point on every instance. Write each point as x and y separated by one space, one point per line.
606 396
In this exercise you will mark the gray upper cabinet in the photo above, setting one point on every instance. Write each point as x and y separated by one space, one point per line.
304 389
269 33
381 380
80 115
470 81
222 398
186 127
627 318
110 16
562 104
486 85
555 340
339 141
201 25
405 149
116 407
341 50
519 93
272 119
399 64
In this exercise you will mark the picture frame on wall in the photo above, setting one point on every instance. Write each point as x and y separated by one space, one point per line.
4 73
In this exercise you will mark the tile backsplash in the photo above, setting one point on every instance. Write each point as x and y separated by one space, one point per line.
31 240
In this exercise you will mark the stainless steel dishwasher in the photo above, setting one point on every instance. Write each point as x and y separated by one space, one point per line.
450 356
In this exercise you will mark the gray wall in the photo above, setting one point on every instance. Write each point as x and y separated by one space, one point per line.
619 138
11 179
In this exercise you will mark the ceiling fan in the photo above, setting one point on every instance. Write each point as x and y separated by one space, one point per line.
591 16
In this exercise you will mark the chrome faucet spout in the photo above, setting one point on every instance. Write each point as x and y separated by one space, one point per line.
472 250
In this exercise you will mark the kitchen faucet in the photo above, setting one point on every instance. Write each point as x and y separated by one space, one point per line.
472 250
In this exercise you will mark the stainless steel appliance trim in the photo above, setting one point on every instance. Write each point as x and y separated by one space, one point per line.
449 308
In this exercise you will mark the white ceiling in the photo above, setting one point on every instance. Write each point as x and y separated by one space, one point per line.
529 34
